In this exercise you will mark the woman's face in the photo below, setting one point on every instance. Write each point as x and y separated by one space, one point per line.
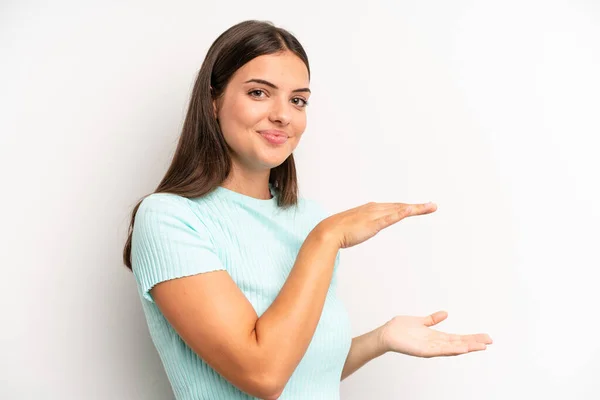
269 93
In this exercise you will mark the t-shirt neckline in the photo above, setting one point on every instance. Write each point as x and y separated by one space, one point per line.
248 199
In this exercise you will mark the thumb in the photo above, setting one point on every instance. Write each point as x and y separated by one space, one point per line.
435 318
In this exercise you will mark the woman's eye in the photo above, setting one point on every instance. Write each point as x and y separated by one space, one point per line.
299 101
256 93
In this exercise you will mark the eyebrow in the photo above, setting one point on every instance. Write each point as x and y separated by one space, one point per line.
275 86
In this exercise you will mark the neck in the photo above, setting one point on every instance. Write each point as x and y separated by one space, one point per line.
250 183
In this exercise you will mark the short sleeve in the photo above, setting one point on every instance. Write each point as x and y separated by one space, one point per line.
169 241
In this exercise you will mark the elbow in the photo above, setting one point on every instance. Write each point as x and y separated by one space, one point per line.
269 387
273 396
267 375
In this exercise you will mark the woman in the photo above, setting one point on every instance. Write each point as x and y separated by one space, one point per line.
235 271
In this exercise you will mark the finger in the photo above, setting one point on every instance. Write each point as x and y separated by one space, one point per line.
457 348
420 209
454 349
388 216
474 346
385 217
435 318
480 338
477 338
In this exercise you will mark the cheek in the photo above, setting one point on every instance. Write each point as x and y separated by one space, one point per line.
300 124
247 113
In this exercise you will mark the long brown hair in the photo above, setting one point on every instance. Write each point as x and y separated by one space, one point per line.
202 161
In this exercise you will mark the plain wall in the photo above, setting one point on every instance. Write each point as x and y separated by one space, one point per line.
490 109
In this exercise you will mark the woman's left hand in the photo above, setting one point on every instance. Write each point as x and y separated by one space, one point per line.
413 336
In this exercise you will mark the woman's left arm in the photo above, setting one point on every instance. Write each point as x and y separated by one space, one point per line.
364 348
412 336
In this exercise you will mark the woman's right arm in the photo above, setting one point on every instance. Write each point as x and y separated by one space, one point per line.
216 320
258 355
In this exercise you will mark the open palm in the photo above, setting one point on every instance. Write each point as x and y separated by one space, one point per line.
414 336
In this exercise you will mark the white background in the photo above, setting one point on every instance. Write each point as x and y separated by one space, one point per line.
490 109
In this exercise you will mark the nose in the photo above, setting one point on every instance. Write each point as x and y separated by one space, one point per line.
280 112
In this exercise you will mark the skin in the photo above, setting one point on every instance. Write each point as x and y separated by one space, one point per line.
413 336
248 107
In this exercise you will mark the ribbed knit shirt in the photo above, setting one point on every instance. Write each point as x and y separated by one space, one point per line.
257 243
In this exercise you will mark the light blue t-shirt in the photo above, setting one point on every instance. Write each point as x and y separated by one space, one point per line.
257 243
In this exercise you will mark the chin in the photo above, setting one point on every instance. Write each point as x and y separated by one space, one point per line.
273 160
273 163
273 157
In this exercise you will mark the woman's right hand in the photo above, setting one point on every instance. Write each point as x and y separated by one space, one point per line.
359 224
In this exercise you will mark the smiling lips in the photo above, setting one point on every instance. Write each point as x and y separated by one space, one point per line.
274 136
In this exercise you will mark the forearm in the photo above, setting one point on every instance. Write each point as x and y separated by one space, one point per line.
364 348
286 328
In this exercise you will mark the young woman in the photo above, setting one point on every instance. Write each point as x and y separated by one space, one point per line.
236 272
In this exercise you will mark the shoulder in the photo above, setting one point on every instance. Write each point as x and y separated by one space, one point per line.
166 210
164 203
